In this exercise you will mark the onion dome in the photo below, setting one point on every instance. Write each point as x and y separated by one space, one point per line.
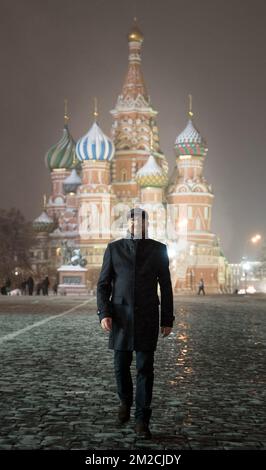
62 154
72 182
135 34
43 223
95 145
151 174
190 142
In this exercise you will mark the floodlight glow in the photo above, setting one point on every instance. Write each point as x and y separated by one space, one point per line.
171 252
251 290
182 223
256 238
241 291
246 266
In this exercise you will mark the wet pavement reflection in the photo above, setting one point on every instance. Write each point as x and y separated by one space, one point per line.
58 390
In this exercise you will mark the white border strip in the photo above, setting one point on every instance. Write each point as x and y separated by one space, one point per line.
41 322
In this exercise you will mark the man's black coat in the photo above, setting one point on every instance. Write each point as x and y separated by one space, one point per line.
131 271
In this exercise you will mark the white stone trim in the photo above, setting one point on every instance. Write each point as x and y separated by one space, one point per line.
190 193
71 267
123 183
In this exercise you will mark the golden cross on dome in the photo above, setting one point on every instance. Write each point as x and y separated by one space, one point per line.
190 112
135 33
66 117
95 112
74 160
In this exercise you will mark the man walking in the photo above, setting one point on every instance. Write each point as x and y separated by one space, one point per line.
131 270
201 287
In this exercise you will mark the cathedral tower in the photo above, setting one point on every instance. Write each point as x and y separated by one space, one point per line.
190 201
134 119
152 181
59 159
95 195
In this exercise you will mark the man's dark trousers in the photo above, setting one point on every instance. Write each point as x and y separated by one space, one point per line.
144 381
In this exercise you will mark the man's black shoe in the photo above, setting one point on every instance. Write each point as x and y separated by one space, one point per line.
123 414
142 430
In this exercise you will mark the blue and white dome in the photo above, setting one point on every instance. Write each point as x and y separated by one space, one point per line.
95 145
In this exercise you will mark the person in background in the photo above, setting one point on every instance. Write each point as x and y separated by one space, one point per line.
30 283
38 287
23 287
201 287
55 288
45 285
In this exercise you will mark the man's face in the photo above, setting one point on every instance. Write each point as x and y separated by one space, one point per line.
138 226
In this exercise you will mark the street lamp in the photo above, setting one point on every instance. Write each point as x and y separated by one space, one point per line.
256 238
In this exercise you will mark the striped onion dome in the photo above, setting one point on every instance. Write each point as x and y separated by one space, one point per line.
43 223
62 154
190 142
72 182
151 174
95 145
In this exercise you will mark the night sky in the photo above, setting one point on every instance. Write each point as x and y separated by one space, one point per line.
213 49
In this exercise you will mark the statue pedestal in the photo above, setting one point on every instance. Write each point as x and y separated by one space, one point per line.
72 280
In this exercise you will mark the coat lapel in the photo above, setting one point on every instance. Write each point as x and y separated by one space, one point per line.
134 244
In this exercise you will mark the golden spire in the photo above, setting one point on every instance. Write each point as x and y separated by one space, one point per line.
44 201
74 158
95 112
135 33
190 112
66 117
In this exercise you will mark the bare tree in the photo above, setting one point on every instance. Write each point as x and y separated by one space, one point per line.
16 239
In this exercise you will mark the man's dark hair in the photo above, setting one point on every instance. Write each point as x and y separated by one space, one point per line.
137 212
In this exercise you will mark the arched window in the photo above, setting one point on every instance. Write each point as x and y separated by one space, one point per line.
142 147
59 200
198 224
124 175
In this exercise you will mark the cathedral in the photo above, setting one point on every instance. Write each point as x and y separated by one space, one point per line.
96 180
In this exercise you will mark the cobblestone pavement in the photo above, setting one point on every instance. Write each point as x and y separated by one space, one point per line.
58 389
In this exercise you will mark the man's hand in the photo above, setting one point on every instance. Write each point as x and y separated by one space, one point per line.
106 323
166 330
